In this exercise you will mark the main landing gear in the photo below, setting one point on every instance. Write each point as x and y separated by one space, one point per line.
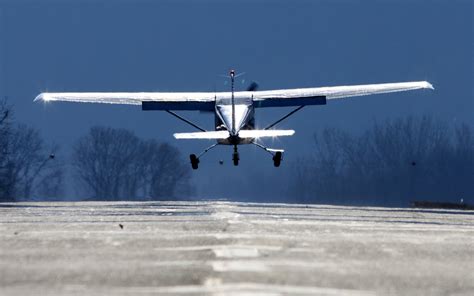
277 158
194 161
277 155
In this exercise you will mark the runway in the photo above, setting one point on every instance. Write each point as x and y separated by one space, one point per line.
232 248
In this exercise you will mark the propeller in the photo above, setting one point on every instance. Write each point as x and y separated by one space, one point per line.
253 86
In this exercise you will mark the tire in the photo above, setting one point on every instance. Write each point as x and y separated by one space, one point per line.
235 159
277 159
194 161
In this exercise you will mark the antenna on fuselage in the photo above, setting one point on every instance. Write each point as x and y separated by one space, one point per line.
232 78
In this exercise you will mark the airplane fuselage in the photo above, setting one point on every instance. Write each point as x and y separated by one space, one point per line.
244 120
234 114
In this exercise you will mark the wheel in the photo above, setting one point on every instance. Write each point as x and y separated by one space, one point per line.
277 159
235 158
194 161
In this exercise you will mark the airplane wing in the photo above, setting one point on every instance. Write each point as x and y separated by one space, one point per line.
205 101
149 100
319 95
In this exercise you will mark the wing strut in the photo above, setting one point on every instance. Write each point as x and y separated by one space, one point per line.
284 117
271 151
185 120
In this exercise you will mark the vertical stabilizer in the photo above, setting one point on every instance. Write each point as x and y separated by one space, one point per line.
232 77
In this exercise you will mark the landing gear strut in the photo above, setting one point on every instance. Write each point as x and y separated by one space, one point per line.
195 159
235 156
276 154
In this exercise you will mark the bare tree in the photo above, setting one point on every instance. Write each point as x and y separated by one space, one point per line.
28 161
102 160
463 161
23 159
5 130
167 174
114 164
51 182
393 162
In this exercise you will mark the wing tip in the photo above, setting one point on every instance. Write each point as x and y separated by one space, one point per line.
428 85
41 97
178 136
38 97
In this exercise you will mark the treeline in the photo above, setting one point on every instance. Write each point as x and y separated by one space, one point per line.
26 163
392 163
106 164
114 164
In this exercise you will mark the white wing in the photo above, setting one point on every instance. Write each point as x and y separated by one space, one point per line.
157 100
130 98
206 100
319 95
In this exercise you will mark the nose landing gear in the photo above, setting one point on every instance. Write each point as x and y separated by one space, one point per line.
235 156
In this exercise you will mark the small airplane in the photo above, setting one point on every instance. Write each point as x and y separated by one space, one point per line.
235 110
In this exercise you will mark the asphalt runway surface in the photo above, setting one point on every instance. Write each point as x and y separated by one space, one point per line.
232 248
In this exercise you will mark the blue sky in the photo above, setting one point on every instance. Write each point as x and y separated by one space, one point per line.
186 45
